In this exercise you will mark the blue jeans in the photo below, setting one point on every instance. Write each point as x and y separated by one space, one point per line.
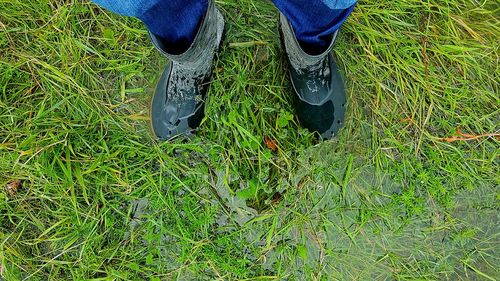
176 21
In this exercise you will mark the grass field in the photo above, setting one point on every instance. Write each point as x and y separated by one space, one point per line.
409 190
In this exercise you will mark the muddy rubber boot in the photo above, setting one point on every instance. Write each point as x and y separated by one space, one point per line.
320 101
178 104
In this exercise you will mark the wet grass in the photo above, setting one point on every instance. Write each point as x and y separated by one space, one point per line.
88 194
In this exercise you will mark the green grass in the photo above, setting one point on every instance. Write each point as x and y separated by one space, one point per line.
389 199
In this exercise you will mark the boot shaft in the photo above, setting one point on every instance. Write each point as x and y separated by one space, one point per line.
204 45
299 59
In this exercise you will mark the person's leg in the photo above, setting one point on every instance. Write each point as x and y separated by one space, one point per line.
308 31
188 33
175 22
315 21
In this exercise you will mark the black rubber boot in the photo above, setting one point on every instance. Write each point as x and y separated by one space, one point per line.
178 104
318 84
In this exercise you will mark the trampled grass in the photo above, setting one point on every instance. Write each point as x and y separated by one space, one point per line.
87 193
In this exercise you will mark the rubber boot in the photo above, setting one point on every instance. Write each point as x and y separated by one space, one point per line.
178 104
320 102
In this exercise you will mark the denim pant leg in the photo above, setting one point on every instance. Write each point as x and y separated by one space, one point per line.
174 21
315 21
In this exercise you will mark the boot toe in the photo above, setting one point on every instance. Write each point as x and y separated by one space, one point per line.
168 123
172 118
320 103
